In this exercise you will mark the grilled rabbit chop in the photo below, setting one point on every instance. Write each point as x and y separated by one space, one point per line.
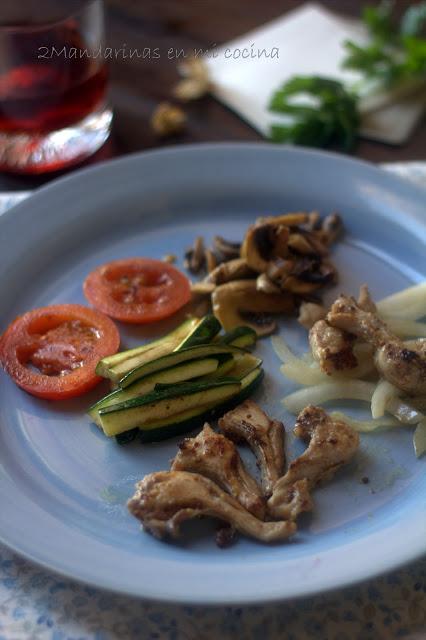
264 436
214 456
332 444
331 347
165 499
290 500
402 366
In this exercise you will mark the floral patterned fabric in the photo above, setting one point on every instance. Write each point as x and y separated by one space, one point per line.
36 605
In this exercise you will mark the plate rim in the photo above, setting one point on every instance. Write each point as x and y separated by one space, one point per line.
54 185
211 146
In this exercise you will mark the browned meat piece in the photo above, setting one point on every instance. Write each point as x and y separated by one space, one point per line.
365 301
165 499
310 313
402 365
290 500
331 445
214 456
332 348
264 436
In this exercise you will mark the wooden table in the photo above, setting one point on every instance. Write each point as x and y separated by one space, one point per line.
137 85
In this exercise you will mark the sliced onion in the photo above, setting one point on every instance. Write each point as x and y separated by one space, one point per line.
403 411
409 304
349 390
384 392
366 426
306 371
320 393
282 349
298 369
303 373
419 438
405 328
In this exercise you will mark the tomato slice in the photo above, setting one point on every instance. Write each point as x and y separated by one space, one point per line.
52 352
137 290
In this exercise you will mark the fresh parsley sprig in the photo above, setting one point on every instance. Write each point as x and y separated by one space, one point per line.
395 53
322 112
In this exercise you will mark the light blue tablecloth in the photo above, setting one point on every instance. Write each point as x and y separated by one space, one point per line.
36 605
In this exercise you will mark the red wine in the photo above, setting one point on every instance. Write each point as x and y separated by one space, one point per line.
53 82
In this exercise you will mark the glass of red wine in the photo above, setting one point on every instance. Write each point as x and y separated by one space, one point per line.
53 83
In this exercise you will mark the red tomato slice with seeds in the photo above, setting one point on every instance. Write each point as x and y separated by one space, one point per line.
52 352
137 290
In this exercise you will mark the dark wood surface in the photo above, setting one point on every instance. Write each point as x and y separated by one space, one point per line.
137 85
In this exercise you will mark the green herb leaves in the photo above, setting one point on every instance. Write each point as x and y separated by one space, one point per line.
378 20
395 53
321 113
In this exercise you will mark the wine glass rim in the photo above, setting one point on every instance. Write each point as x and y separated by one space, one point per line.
46 26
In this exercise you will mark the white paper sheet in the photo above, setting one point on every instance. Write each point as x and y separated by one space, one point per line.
309 41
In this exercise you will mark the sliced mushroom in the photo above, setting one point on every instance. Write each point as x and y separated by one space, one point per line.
307 243
299 243
236 269
287 219
314 220
278 270
309 275
195 258
265 284
199 307
296 285
284 253
202 288
263 323
319 247
240 303
211 260
200 304
227 250
257 246
331 228
262 243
